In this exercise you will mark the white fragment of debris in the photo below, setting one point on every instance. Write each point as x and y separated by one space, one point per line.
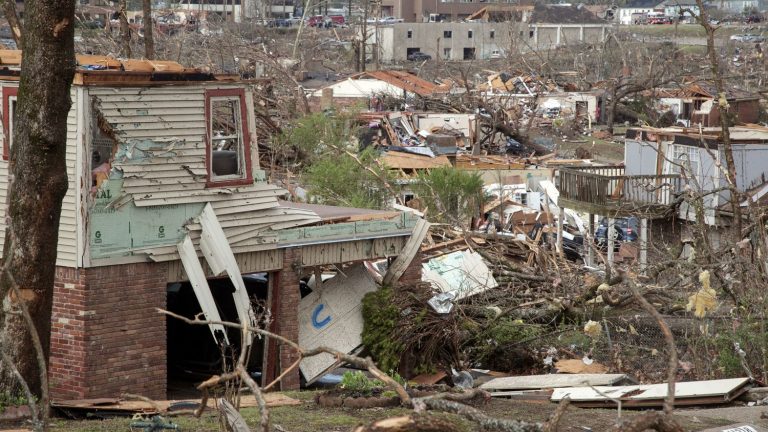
462 379
593 329
442 303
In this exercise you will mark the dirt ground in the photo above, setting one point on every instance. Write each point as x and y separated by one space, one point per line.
602 151
308 417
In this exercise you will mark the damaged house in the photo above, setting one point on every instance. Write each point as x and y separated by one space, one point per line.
694 103
660 165
167 207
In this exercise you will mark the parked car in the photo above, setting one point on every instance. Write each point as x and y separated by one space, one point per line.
753 38
625 229
497 54
419 56
384 20
315 21
390 20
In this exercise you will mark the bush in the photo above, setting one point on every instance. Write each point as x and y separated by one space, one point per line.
380 317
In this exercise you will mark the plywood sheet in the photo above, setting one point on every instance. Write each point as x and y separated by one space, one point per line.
716 390
332 316
401 160
117 405
534 382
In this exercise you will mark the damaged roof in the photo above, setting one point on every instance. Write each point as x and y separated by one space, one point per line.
745 134
95 69
562 14
703 90
502 13
404 80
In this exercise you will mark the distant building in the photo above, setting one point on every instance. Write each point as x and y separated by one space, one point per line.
738 6
442 10
695 104
476 40
635 11
686 9
628 14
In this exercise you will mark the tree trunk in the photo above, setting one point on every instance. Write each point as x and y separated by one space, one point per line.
610 114
125 30
9 8
725 120
149 41
38 169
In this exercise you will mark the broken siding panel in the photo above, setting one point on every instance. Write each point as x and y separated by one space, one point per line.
66 251
152 113
162 158
3 200
210 195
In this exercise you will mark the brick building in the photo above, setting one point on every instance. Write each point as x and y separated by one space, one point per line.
166 201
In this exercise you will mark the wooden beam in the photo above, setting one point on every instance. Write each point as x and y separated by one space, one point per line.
411 248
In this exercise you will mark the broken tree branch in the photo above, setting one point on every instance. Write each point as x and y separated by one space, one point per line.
366 363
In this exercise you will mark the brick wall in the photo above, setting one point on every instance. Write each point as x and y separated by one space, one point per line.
286 316
412 274
107 338
67 370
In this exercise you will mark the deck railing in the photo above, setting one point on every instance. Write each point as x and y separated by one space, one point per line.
608 186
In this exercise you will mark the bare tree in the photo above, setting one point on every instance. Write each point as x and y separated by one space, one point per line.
149 41
725 119
38 183
9 8
125 30
659 68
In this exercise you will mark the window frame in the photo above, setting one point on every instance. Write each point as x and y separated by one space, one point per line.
246 165
682 158
9 94
447 34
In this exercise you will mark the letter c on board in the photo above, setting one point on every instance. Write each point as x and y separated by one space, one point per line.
316 322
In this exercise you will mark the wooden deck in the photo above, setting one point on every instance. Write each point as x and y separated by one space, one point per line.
607 191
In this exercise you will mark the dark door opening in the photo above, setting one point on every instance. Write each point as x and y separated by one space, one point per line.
193 355
409 51
469 53
581 109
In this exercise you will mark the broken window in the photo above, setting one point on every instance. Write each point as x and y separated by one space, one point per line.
469 34
9 110
103 143
492 34
447 53
227 137
469 53
447 34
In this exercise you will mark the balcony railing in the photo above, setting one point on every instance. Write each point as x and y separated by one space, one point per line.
606 189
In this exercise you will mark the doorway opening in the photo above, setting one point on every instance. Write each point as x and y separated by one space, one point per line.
193 354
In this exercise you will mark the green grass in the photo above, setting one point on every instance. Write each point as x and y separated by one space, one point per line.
687 30
308 417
